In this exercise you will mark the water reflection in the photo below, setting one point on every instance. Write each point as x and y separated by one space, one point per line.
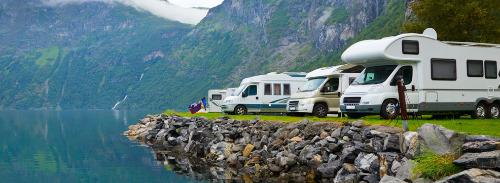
75 146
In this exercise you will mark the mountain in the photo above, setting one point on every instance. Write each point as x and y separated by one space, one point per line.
101 55
78 55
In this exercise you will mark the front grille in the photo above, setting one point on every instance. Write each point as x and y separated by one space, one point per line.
352 100
293 103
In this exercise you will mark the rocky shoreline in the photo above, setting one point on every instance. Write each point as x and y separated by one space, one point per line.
256 151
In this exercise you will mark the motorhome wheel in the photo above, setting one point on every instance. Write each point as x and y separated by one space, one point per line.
240 110
389 109
320 110
495 111
480 111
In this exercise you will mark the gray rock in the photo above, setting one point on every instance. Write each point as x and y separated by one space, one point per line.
485 160
439 139
336 133
409 145
372 178
307 153
274 168
329 170
473 175
480 138
294 133
423 180
349 154
358 124
405 171
367 162
480 146
391 179
391 143
347 174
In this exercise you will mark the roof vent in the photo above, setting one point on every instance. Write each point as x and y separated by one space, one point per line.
431 33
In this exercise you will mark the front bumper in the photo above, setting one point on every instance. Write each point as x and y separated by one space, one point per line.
361 109
228 107
300 107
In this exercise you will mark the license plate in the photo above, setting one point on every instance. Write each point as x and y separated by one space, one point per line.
293 108
350 107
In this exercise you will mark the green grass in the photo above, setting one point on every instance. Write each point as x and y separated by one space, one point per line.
465 124
433 166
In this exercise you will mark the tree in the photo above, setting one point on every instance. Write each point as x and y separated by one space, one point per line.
457 20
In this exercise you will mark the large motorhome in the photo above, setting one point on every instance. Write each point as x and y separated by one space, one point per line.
216 97
320 95
264 93
450 78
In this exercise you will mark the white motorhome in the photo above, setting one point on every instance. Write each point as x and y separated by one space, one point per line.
264 93
320 95
215 98
440 77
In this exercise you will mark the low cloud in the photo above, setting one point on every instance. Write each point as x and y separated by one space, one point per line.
184 11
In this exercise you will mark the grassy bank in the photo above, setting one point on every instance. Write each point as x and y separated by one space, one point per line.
464 124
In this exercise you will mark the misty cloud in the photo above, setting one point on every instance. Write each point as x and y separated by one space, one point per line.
184 11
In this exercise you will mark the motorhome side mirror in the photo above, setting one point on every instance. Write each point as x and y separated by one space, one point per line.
244 94
339 94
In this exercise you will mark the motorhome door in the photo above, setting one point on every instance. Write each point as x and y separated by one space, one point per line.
330 93
408 74
250 98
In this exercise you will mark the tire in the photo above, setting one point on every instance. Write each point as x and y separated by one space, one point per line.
240 110
354 115
320 110
389 109
495 111
480 111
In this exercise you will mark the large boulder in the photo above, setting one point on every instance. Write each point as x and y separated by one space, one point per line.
473 175
439 140
391 179
480 146
485 160
409 144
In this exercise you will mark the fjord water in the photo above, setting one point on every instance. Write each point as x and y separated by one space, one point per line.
75 146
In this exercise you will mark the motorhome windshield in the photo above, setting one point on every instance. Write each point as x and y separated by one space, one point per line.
312 84
374 75
239 90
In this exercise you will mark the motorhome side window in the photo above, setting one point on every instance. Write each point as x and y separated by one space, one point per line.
267 89
331 85
475 68
251 90
406 72
277 89
216 97
410 47
491 69
286 89
443 69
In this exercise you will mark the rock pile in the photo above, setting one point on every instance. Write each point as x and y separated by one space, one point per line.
257 150
227 149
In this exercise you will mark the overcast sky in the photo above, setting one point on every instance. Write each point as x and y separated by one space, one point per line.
184 11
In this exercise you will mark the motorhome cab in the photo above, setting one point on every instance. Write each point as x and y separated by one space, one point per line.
321 93
216 97
440 77
264 93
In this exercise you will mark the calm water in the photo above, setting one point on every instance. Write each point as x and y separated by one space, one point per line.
75 146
